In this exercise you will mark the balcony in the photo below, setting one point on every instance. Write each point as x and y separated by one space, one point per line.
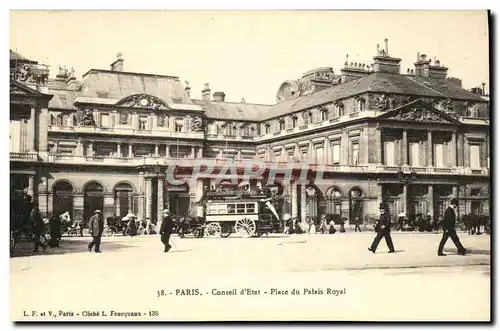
114 161
30 157
159 132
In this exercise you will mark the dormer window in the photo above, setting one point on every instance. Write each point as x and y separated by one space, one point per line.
339 109
179 124
294 121
281 124
471 109
324 114
360 104
311 117
267 128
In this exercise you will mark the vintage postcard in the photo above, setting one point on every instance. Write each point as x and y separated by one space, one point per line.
250 166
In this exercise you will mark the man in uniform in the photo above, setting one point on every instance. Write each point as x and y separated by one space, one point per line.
449 230
166 229
383 229
96 227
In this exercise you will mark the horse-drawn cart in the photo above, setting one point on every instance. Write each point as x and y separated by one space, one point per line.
247 216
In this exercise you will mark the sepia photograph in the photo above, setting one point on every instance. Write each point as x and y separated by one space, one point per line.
215 166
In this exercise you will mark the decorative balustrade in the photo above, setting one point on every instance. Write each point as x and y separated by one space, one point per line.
126 131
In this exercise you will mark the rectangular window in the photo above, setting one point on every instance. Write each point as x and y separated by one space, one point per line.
281 125
179 125
143 122
250 208
267 128
231 209
475 157
355 153
390 155
438 156
161 120
319 155
15 136
240 208
336 154
414 154
294 122
104 120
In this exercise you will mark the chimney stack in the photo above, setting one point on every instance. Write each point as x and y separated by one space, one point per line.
483 84
187 88
205 93
384 63
219 96
118 64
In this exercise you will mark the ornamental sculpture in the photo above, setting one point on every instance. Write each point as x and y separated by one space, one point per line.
420 115
382 103
124 118
87 118
446 106
143 101
196 124
31 74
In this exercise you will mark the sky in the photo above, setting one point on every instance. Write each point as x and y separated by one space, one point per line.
250 54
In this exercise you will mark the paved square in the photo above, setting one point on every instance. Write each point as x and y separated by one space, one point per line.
337 278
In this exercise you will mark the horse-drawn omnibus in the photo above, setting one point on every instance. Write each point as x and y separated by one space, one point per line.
246 215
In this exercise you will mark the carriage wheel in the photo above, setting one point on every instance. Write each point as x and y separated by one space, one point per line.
110 231
225 230
213 230
245 227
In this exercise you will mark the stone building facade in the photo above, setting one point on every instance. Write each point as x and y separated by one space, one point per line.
414 140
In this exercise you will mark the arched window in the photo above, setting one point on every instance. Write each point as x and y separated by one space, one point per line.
360 104
333 201
324 114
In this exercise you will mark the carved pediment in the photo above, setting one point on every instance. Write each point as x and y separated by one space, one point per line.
143 101
17 91
419 112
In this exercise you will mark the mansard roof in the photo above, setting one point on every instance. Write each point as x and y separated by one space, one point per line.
233 110
118 85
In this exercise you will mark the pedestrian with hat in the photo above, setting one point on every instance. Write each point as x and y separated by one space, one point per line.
449 230
383 229
96 227
166 229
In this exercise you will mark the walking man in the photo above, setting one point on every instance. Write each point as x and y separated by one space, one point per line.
38 228
383 229
449 230
96 227
356 227
166 229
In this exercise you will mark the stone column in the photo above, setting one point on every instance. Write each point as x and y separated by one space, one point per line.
79 147
119 151
405 147
130 150
453 149
149 197
130 199
78 207
430 201
430 161
157 153
31 187
378 146
303 204
293 193
326 151
161 192
117 203
455 191
192 153
298 155
404 199
32 130
200 152
167 150
344 149
109 205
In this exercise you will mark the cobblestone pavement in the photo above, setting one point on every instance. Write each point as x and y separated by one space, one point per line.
413 283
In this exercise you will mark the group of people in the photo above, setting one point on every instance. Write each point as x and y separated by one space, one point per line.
383 229
96 229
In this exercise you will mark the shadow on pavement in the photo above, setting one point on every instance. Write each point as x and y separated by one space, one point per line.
25 248
452 251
